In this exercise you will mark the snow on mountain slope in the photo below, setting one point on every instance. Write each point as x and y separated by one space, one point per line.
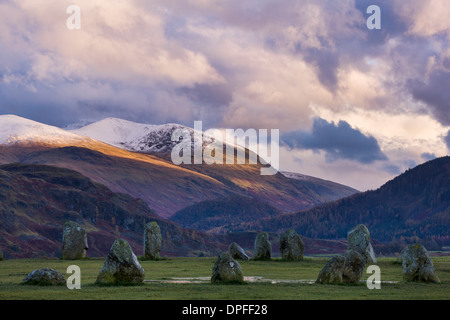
137 137
115 137
130 135
15 129
123 134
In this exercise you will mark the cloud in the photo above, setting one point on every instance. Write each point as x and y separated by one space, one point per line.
121 63
327 63
428 156
392 169
424 19
117 42
214 95
242 64
352 173
434 92
447 140
339 141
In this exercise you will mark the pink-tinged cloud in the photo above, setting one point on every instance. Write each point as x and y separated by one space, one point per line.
249 64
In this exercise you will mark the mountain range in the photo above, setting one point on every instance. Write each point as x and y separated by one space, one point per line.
114 175
147 174
414 205
125 158
36 200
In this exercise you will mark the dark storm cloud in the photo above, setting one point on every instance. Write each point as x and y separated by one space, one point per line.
447 139
351 49
213 95
62 103
339 141
428 156
33 104
391 24
435 93
392 169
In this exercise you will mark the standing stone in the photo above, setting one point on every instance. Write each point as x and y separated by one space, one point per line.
74 243
236 252
358 239
417 265
44 277
346 268
1 256
353 267
121 266
332 271
291 245
226 270
152 241
263 247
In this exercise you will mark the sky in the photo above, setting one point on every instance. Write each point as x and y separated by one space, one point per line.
354 105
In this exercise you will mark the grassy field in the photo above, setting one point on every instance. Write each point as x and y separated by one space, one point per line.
12 273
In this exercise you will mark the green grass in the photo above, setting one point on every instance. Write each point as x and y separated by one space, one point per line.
12 273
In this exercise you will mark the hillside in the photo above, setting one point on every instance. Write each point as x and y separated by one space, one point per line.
328 190
36 200
151 176
211 215
220 215
415 204
165 187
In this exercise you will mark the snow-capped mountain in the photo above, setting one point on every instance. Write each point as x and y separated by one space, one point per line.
14 129
138 137
123 134
130 135
130 158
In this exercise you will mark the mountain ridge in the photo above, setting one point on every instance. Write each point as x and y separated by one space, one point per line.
165 187
414 204
32 225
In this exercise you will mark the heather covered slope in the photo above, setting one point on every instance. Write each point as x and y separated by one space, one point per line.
36 200
415 204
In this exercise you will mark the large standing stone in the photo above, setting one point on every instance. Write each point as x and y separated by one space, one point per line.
152 241
226 270
291 245
237 252
417 265
44 277
346 268
121 266
74 243
358 239
263 247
